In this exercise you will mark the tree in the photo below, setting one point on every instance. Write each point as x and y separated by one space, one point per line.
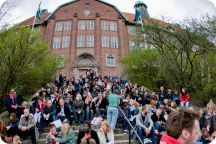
5 8
185 56
181 49
143 67
26 61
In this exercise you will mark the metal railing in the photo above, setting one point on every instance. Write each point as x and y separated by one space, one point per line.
130 128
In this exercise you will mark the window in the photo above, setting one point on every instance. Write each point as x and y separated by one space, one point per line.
90 25
143 45
90 41
62 62
105 41
151 46
67 25
81 25
56 42
80 41
131 30
104 25
58 26
110 61
114 42
66 42
113 26
131 45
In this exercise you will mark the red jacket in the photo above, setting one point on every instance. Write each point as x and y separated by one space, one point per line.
42 106
184 98
169 140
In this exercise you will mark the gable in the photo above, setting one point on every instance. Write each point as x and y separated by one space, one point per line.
71 2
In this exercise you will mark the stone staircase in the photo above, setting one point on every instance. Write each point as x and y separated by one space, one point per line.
120 137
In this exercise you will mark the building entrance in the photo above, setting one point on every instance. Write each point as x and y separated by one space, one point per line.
83 63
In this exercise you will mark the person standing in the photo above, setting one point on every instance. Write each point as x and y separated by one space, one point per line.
112 110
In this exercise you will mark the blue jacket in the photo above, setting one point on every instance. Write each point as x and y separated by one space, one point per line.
50 111
9 103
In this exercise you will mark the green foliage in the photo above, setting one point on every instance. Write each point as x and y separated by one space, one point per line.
185 57
142 66
26 61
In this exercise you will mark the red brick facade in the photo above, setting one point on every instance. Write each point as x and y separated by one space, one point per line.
78 59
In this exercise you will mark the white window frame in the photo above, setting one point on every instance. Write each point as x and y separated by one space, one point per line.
90 41
131 30
105 41
56 42
131 45
113 26
90 25
110 63
65 41
81 25
104 25
80 41
114 42
67 25
62 62
58 26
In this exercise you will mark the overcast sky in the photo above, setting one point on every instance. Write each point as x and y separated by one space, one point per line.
176 10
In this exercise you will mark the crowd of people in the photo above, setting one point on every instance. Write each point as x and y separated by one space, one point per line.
112 102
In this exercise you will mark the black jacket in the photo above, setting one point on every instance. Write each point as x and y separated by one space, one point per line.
66 110
104 103
49 111
94 136
155 118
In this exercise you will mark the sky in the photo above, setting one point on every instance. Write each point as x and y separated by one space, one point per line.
168 10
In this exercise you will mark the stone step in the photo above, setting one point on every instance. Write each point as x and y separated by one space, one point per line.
117 136
76 130
42 141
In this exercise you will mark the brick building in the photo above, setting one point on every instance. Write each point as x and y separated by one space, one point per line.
88 34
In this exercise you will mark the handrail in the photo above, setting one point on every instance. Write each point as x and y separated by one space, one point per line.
139 139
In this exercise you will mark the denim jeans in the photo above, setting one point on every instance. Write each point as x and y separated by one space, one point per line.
142 134
78 116
124 122
185 104
62 118
101 112
158 126
43 121
112 116
88 114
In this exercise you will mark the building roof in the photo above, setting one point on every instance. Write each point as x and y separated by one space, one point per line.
45 17
30 20
77 0
130 16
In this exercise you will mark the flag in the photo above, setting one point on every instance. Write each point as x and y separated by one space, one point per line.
38 14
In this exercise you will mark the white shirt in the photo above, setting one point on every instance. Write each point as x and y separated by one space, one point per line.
1 142
213 142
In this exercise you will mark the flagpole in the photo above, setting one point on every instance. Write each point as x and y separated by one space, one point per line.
35 17
34 22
